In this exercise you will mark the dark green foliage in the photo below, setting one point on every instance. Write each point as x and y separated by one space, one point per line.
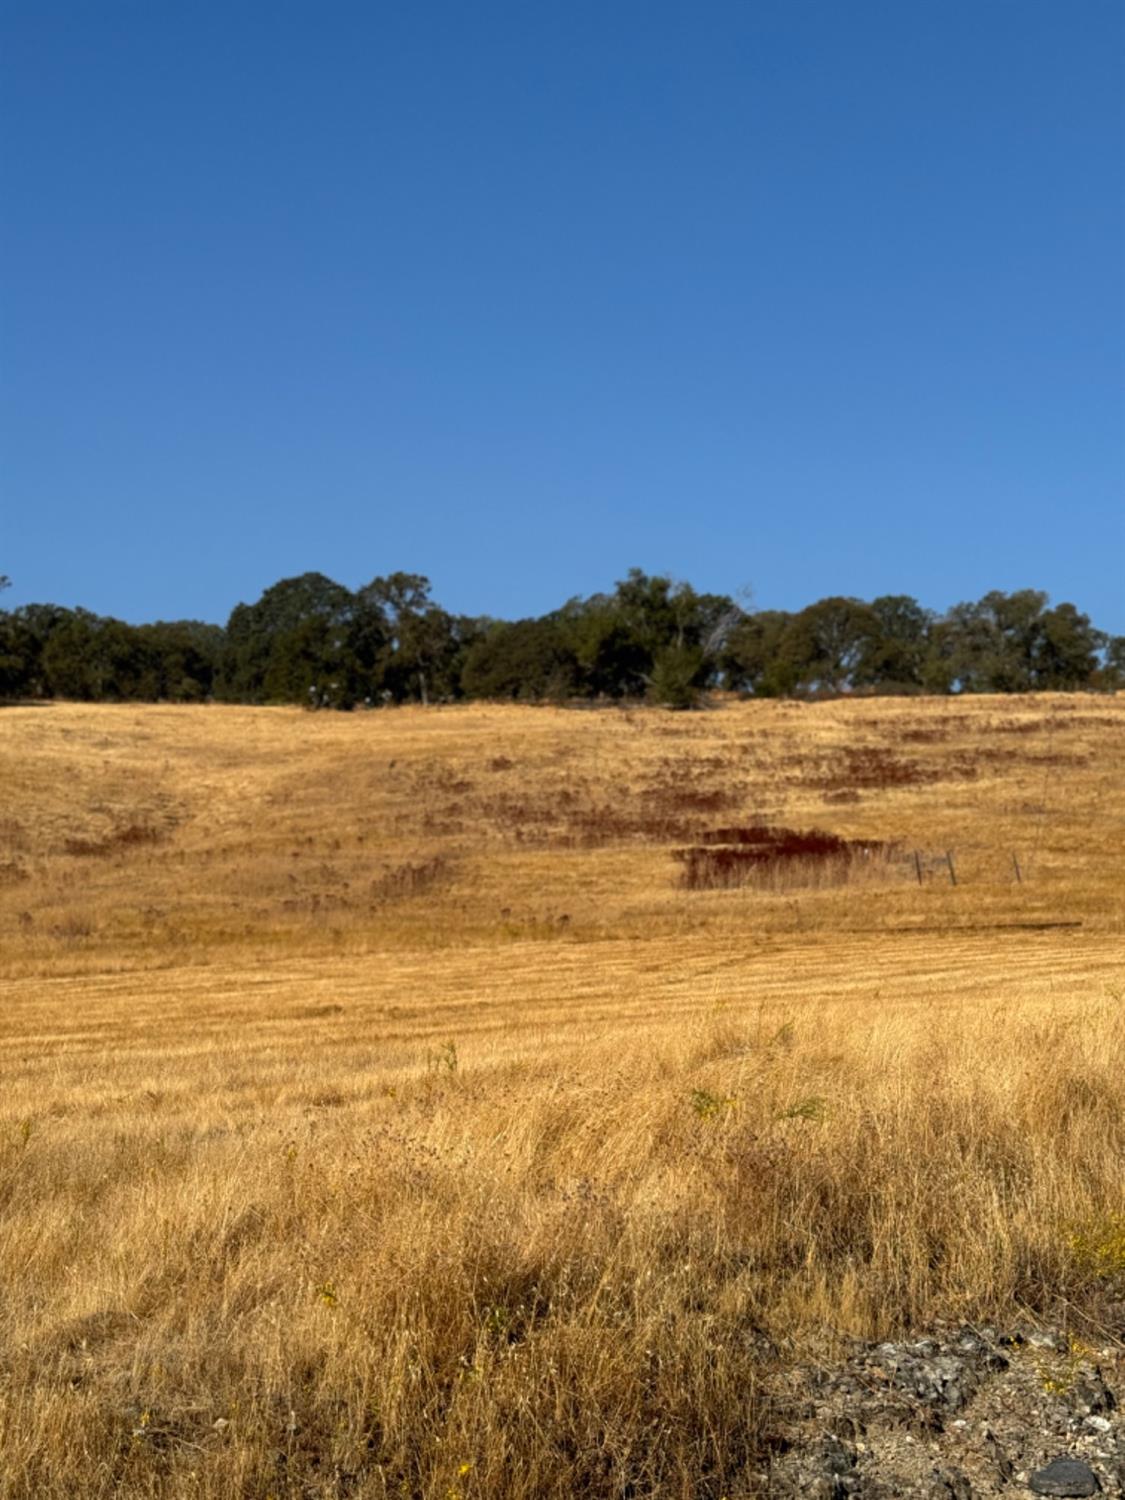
678 676
1066 652
75 654
611 662
23 634
291 645
827 641
758 656
423 644
526 659
309 640
1111 674
618 639
893 657
989 646
187 654
98 659
1012 643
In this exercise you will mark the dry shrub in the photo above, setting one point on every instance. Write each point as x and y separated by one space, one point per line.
1001 755
13 835
737 856
129 836
538 1283
1034 725
871 767
568 821
624 821
924 736
413 878
438 1206
670 798
73 929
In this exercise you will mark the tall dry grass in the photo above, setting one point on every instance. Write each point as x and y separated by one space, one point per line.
434 1195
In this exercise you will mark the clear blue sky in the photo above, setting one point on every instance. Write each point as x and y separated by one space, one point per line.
818 297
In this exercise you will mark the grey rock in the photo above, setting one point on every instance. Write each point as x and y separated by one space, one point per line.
938 1380
945 1376
1065 1476
848 1428
831 1487
950 1484
834 1457
1043 1339
894 1421
969 1342
981 1347
996 1455
1006 1340
1089 1393
983 1350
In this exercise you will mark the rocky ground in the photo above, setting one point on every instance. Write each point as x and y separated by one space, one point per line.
967 1413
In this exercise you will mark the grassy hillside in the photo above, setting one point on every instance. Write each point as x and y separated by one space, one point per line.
384 1114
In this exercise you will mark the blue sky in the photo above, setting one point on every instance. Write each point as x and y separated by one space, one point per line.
807 297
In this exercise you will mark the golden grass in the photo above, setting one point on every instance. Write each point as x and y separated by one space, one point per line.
382 1118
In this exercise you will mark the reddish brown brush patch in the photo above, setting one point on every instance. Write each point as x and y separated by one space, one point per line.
693 765
687 785
413 879
13 834
442 780
999 755
923 736
732 856
131 836
72 929
595 826
1072 718
689 798
778 842
876 769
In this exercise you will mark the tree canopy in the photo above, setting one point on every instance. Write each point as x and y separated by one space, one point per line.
312 641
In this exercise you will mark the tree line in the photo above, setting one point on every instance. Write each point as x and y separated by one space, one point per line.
311 641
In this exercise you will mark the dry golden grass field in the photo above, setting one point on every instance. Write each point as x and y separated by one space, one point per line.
385 1114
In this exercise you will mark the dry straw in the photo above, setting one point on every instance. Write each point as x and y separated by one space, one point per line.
390 1120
